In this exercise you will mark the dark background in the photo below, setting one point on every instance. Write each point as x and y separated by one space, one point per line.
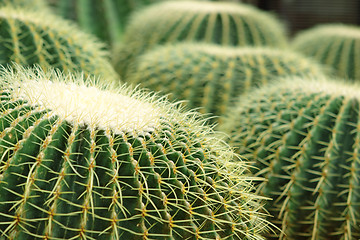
303 14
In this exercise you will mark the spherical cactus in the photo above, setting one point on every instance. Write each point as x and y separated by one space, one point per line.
336 45
79 161
209 77
37 38
303 136
223 23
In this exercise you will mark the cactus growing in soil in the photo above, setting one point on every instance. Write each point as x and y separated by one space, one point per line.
38 38
223 23
209 77
79 161
336 45
303 136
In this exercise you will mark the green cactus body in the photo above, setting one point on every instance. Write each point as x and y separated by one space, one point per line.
105 19
37 38
336 45
231 24
303 136
209 77
78 162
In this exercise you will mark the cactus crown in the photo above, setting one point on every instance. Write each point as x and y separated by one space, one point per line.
232 24
336 45
209 77
86 104
302 135
37 37
66 174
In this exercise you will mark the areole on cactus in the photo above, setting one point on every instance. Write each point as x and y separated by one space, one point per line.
209 77
37 37
223 23
303 136
83 161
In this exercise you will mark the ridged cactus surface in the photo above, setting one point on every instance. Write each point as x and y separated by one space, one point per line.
223 23
78 162
105 19
336 45
209 77
37 38
303 136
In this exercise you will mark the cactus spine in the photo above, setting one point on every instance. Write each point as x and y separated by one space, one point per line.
231 24
209 77
37 38
336 45
303 137
113 164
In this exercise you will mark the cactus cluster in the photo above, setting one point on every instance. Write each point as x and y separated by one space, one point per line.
209 77
31 38
336 45
303 136
79 161
223 23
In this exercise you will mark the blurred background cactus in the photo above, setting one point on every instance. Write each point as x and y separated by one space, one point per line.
303 136
84 161
105 19
209 77
223 23
336 45
36 37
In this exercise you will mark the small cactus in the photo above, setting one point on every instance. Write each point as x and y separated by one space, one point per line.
336 45
83 161
209 77
31 38
303 136
223 23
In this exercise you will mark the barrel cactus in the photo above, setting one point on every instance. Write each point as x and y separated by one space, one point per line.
336 45
209 77
223 23
38 38
83 161
303 136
